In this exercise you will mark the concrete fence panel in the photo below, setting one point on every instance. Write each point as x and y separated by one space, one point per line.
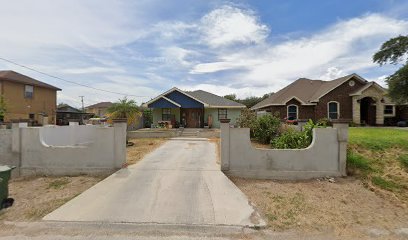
325 156
65 150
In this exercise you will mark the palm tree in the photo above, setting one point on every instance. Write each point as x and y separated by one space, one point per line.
125 108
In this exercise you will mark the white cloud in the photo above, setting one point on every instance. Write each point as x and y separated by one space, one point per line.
229 25
346 46
92 70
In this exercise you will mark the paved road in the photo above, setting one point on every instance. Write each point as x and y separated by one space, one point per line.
178 183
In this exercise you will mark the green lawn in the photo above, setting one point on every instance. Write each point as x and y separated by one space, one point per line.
379 156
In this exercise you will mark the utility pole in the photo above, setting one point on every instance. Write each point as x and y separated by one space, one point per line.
83 109
82 101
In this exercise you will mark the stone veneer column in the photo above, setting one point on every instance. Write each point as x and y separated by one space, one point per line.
379 112
356 110
225 144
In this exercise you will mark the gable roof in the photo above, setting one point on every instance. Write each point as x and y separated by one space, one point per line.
206 98
306 91
214 100
101 105
361 90
12 76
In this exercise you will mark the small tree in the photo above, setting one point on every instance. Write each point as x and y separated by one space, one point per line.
247 119
3 108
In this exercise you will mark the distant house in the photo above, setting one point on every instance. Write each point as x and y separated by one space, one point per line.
66 114
27 98
349 97
99 109
193 109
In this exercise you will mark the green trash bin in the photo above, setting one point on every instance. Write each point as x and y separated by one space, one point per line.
5 173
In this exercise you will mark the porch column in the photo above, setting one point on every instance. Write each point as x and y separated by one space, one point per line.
379 112
356 110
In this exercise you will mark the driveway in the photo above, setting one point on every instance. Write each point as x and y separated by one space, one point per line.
178 183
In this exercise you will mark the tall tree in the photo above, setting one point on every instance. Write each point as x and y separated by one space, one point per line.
395 51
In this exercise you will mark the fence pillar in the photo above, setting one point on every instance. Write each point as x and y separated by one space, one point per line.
225 144
119 128
342 136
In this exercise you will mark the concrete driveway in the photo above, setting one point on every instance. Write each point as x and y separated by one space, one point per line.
178 183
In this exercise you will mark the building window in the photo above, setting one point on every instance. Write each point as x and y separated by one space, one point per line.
292 112
333 110
166 114
28 91
388 110
222 113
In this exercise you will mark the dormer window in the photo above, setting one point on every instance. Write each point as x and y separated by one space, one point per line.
28 91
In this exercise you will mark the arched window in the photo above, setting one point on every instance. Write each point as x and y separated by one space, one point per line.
333 110
292 112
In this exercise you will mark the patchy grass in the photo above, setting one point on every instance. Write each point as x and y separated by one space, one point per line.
380 157
404 160
141 147
59 183
344 207
35 197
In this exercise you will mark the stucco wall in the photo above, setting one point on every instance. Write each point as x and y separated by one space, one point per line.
7 156
67 150
232 113
44 100
326 156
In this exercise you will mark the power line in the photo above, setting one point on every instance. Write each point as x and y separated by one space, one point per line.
80 84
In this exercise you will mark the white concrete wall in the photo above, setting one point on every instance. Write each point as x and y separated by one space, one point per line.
324 157
7 156
69 150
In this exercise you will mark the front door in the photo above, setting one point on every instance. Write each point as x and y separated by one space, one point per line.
192 117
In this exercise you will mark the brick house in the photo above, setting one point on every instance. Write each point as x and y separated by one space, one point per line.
27 98
349 97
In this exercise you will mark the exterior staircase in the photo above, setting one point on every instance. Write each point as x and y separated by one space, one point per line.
189 133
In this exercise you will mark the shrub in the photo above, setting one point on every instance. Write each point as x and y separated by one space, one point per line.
247 119
265 128
291 139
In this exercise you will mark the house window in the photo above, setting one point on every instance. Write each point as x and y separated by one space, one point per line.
222 113
292 112
28 91
333 110
388 110
166 114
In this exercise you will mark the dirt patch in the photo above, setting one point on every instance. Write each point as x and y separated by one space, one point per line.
37 196
345 207
141 147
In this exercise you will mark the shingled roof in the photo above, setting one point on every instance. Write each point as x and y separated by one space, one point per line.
12 76
101 105
213 100
306 91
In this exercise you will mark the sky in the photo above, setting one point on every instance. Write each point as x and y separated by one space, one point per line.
142 48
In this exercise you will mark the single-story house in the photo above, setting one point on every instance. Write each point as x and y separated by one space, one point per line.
349 97
66 114
192 109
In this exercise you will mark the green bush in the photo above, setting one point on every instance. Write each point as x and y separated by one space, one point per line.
266 128
293 139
